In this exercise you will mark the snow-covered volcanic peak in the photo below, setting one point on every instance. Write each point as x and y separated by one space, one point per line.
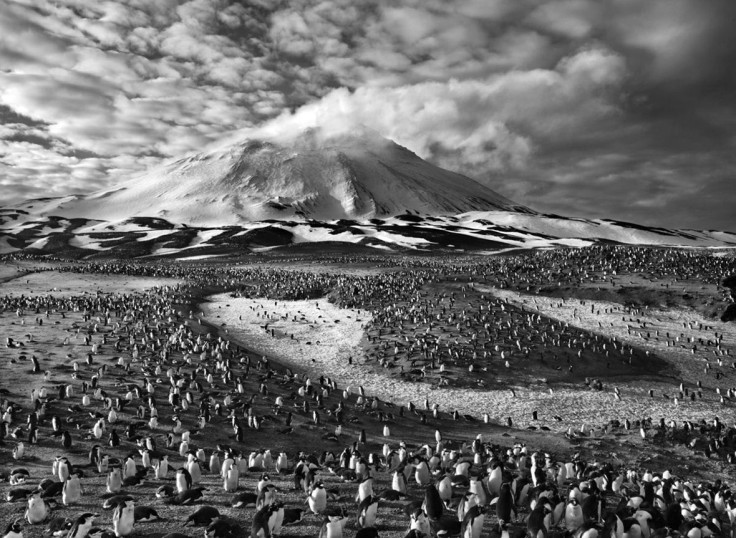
290 189
314 175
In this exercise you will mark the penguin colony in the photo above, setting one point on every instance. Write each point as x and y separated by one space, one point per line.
450 488
148 418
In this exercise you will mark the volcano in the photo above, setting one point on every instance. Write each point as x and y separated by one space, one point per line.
256 193
357 175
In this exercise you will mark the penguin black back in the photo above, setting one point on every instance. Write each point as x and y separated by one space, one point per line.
433 504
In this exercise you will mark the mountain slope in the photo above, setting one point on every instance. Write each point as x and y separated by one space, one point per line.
359 175
485 232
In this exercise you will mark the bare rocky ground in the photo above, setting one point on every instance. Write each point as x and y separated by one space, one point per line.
324 337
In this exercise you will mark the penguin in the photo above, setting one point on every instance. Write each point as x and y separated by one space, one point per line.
51 488
574 518
631 528
215 465
13 530
82 525
332 527
537 526
203 516
232 476
18 494
98 429
64 469
264 481
433 505
38 509
365 489
146 458
112 502
419 523
103 464
473 523
242 500
592 507
266 496
114 480
19 475
195 470
292 515
444 488
495 479
164 492
673 516
58 526
504 504
161 468
282 463
391 495
123 518
465 503
72 491
422 474
129 468
369 532
267 521
183 480
224 527
66 439
317 499
367 511
613 527
145 514
643 517
188 496
462 469
304 476
478 487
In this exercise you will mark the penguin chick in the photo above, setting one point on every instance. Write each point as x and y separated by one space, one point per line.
115 500
13 530
145 513
58 526
224 527
241 500
292 515
38 509
203 516
82 525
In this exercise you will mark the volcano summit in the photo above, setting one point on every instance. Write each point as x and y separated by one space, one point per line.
346 176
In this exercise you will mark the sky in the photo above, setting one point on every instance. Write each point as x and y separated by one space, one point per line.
620 109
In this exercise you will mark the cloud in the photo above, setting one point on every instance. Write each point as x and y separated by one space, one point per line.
473 125
554 103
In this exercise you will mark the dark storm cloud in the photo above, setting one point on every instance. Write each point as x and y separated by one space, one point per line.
611 108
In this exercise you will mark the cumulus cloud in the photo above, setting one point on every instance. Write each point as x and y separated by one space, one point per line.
472 125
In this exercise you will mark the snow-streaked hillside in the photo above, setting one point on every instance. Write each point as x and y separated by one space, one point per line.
353 176
480 232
